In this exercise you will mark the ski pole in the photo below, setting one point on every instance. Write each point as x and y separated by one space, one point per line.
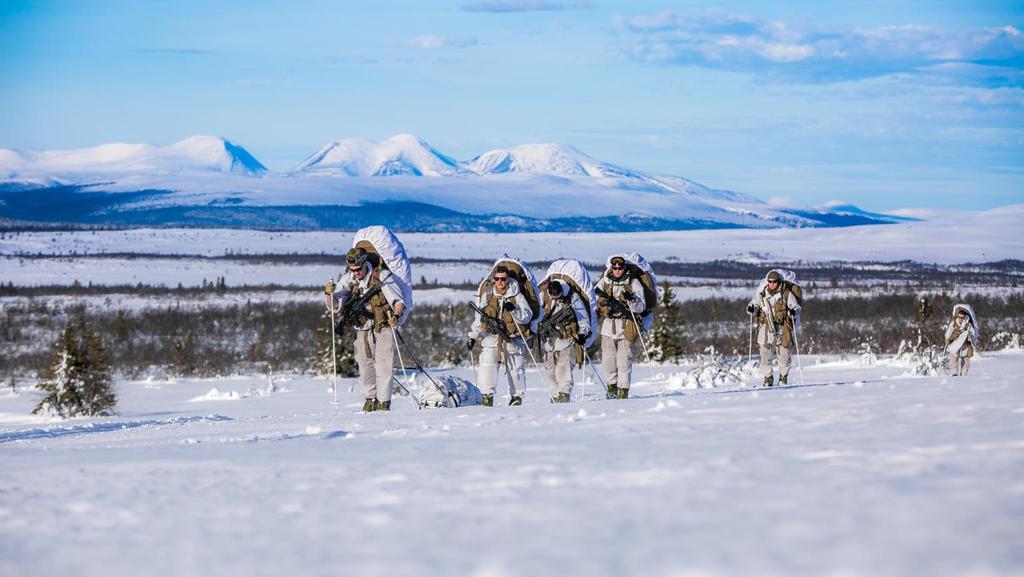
419 366
640 335
799 365
408 391
583 379
405 374
593 368
334 355
535 364
978 356
750 338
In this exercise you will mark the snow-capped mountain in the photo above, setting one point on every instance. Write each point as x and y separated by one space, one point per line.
403 182
400 155
194 154
544 159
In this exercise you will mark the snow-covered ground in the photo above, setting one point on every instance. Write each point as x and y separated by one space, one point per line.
968 237
863 470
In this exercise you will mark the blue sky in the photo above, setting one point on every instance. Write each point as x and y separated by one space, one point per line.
886 104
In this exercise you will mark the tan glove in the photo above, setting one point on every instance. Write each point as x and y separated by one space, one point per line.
329 287
393 321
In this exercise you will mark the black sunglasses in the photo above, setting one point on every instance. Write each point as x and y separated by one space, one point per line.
500 279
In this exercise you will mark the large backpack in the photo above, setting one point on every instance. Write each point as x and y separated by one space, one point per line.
789 284
387 252
576 276
527 286
638 268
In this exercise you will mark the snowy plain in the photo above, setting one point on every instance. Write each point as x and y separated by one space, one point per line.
862 470
967 237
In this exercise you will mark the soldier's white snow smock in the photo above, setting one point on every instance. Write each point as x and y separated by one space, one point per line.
962 334
777 309
513 311
619 328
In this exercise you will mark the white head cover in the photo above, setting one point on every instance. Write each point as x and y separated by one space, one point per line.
969 310
529 277
575 270
394 255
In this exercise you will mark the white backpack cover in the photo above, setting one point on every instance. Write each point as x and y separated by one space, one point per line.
787 276
644 266
575 271
386 244
430 396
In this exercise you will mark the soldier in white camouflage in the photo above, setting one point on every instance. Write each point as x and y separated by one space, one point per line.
563 349
624 300
777 310
504 302
374 324
962 336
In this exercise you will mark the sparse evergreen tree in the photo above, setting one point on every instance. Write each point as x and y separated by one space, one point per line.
98 392
120 327
78 382
184 358
668 343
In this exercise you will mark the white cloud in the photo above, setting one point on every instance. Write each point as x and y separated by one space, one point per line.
716 39
432 41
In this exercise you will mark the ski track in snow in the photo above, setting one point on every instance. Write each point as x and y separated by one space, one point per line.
860 470
98 427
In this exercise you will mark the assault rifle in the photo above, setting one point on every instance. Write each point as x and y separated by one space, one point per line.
619 309
552 325
494 325
354 308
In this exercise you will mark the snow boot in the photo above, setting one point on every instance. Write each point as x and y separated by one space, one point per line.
768 381
622 394
488 401
613 392
561 398
515 401
383 405
369 405
783 379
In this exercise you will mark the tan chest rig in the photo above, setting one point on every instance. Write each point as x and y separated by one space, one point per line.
494 309
569 330
780 312
616 287
379 307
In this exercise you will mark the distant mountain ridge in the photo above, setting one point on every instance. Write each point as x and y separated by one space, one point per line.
403 154
196 153
407 182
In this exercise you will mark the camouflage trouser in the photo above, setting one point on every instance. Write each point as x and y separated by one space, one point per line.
768 353
515 366
559 366
375 355
959 365
617 360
